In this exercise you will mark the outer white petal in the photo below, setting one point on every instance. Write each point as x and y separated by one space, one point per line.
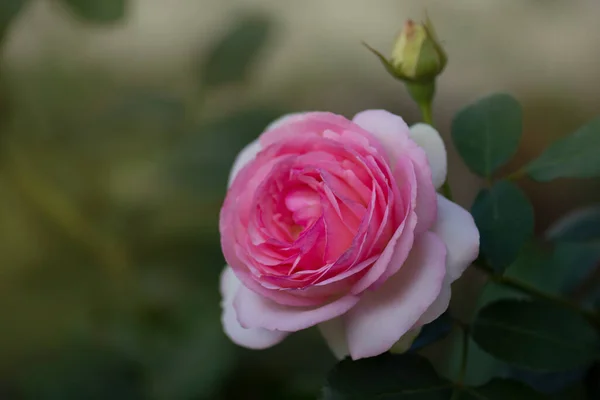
247 154
255 338
393 133
440 304
430 140
456 227
335 335
256 311
383 316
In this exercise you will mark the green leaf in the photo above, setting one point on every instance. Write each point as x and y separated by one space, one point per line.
231 59
501 389
481 366
98 11
576 239
574 156
535 335
549 382
505 220
577 226
388 376
575 263
487 133
8 11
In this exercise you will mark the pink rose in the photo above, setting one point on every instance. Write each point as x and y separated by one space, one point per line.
337 223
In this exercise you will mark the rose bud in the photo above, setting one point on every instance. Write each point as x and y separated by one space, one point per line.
417 55
417 59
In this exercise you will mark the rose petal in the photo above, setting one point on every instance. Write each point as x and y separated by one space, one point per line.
393 133
229 284
430 140
403 243
382 317
255 338
392 257
389 129
255 311
456 228
334 333
247 154
440 304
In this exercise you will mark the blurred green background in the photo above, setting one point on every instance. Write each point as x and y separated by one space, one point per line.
119 122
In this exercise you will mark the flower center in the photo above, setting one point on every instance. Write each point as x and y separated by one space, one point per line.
304 205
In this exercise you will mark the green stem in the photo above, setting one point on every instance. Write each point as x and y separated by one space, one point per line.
535 292
426 112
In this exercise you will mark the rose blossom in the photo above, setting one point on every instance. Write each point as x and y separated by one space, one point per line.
337 223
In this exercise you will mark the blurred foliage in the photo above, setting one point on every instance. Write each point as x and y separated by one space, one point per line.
9 10
98 11
231 59
109 243
109 201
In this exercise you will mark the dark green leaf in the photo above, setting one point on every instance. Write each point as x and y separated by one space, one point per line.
535 265
576 239
574 156
504 217
535 335
548 382
481 366
487 133
99 11
390 377
432 332
231 59
575 263
9 10
501 389
577 226
559 270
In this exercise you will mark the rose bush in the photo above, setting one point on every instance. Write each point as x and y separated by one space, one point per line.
337 223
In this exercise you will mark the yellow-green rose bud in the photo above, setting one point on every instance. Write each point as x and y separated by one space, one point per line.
417 55
417 59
